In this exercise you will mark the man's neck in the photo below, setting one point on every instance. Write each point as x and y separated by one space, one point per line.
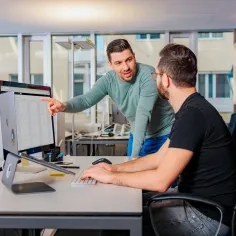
179 96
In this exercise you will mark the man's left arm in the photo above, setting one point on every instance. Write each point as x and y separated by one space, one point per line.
147 99
160 179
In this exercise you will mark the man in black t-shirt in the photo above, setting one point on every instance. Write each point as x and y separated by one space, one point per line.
199 149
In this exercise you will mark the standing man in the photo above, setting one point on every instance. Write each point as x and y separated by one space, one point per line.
199 148
131 87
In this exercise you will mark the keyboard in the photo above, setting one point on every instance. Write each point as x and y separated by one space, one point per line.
76 182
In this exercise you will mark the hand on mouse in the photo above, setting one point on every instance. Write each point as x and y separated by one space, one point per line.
99 174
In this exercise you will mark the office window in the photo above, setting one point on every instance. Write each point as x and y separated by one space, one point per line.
36 79
148 36
141 36
9 58
210 35
217 35
210 85
216 58
222 86
155 36
62 73
78 84
201 84
14 77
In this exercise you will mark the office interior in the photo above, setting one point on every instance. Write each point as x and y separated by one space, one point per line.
36 47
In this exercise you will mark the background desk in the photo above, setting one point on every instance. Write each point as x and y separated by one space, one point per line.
101 206
91 142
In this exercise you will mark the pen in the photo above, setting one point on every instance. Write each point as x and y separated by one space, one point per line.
69 167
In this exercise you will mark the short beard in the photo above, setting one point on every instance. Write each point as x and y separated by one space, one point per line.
162 92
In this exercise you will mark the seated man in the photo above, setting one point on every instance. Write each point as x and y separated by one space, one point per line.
199 148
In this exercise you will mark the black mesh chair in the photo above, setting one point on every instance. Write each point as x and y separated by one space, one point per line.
192 198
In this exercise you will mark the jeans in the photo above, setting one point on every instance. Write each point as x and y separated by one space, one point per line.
179 218
150 145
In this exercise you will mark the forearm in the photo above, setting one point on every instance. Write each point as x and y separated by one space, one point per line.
77 104
147 180
89 99
139 164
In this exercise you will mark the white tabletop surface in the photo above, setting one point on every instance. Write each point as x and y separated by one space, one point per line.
99 199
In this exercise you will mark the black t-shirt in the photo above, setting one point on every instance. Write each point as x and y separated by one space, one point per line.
211 172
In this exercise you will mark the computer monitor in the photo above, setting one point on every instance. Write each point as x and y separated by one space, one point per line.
29 123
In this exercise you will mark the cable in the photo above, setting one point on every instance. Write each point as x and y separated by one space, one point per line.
221 218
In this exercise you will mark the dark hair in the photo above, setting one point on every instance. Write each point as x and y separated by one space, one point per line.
180 63
118 45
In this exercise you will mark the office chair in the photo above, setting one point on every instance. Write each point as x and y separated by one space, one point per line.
190 197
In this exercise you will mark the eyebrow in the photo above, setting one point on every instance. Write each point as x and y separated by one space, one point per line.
131 57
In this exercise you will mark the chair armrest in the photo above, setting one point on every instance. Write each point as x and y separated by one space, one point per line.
182 196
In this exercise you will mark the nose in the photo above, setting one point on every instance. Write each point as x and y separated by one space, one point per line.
126 66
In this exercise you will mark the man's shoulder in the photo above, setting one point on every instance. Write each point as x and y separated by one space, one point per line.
108 77
144 74
145 68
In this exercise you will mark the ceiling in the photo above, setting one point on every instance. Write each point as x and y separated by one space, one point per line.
114 16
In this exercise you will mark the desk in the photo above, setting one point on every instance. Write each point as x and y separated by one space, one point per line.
101 206
96 141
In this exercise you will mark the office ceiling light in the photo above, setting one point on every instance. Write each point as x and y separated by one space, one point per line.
78 43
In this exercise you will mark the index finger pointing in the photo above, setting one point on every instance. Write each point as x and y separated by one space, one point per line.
46 99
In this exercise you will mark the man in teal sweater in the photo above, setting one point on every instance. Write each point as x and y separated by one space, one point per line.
131 87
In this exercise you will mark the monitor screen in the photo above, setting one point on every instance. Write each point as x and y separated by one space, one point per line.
34 125
33 122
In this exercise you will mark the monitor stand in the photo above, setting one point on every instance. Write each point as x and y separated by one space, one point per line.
9 170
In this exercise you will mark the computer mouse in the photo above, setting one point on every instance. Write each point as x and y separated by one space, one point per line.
102 160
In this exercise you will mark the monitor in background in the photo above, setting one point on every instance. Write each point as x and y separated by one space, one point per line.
29 123
117 116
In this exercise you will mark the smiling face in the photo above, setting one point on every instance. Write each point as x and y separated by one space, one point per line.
124 64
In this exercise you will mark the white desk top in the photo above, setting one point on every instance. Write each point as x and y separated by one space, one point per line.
99 199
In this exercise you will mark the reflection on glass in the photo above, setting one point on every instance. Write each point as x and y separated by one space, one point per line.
8 58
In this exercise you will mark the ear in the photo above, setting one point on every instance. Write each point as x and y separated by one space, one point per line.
165 80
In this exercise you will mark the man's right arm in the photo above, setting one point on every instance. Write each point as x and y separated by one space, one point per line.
148 162
89 99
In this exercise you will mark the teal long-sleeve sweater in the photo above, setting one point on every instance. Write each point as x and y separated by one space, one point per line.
149 115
